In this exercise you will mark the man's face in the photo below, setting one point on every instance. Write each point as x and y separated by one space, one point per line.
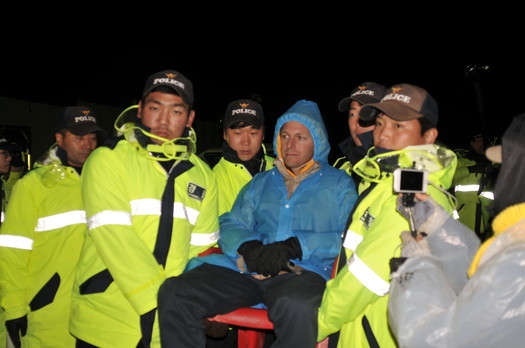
396 135
5 161
78 147
353 122
478 146
297 145
166 114
246 141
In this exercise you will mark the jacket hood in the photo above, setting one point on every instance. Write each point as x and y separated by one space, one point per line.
50 157
439 161
308 113
54 159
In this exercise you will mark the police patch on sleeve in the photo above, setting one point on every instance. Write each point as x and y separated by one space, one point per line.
196 191
367 219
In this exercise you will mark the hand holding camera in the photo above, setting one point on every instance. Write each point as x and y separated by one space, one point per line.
409 182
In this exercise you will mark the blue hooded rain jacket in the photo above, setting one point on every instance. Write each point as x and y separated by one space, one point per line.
263 211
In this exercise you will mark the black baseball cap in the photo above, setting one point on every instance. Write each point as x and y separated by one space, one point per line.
79 120
4 144
173 79
244 110
365 93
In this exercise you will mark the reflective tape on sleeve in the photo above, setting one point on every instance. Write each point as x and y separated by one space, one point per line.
109 217
153 207
183 212
352 240
487 194
474 188
146 206
201 239
367 276
18 242
466 188
53 222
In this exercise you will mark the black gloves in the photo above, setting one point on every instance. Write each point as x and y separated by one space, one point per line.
246 250
16 328
294 247
270 259
275 257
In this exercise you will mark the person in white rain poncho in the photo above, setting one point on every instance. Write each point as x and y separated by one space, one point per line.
451 292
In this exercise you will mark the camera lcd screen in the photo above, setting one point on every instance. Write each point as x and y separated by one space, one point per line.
406 180
411 181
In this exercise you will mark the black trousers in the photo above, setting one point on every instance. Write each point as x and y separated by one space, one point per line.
292 301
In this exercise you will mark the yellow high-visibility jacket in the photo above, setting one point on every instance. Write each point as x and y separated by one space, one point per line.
118 276
8 181
358 296
473 186
231 177
40 242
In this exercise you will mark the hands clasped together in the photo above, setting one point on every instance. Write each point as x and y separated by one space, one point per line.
271 259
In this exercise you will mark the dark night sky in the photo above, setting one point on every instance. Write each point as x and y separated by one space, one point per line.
283 70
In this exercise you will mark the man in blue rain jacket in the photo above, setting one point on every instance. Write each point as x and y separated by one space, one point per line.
279 240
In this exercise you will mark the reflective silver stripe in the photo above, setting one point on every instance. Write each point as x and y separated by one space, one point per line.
466 188
53 222
352 240
367 277
18 242
182 212
109 217
145 206
455 214
2 217
201 239
150 206
487 194
474 188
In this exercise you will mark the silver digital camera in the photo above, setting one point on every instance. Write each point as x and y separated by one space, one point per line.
410 180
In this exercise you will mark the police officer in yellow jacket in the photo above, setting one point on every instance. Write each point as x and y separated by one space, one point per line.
356 145
433 301
243 156
355 301
10 172
473 186
243 152
151 204
42 235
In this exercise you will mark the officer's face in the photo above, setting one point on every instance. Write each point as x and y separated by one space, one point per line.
166 114
5 161
353 122
78 147
396 135
246 141
478 146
